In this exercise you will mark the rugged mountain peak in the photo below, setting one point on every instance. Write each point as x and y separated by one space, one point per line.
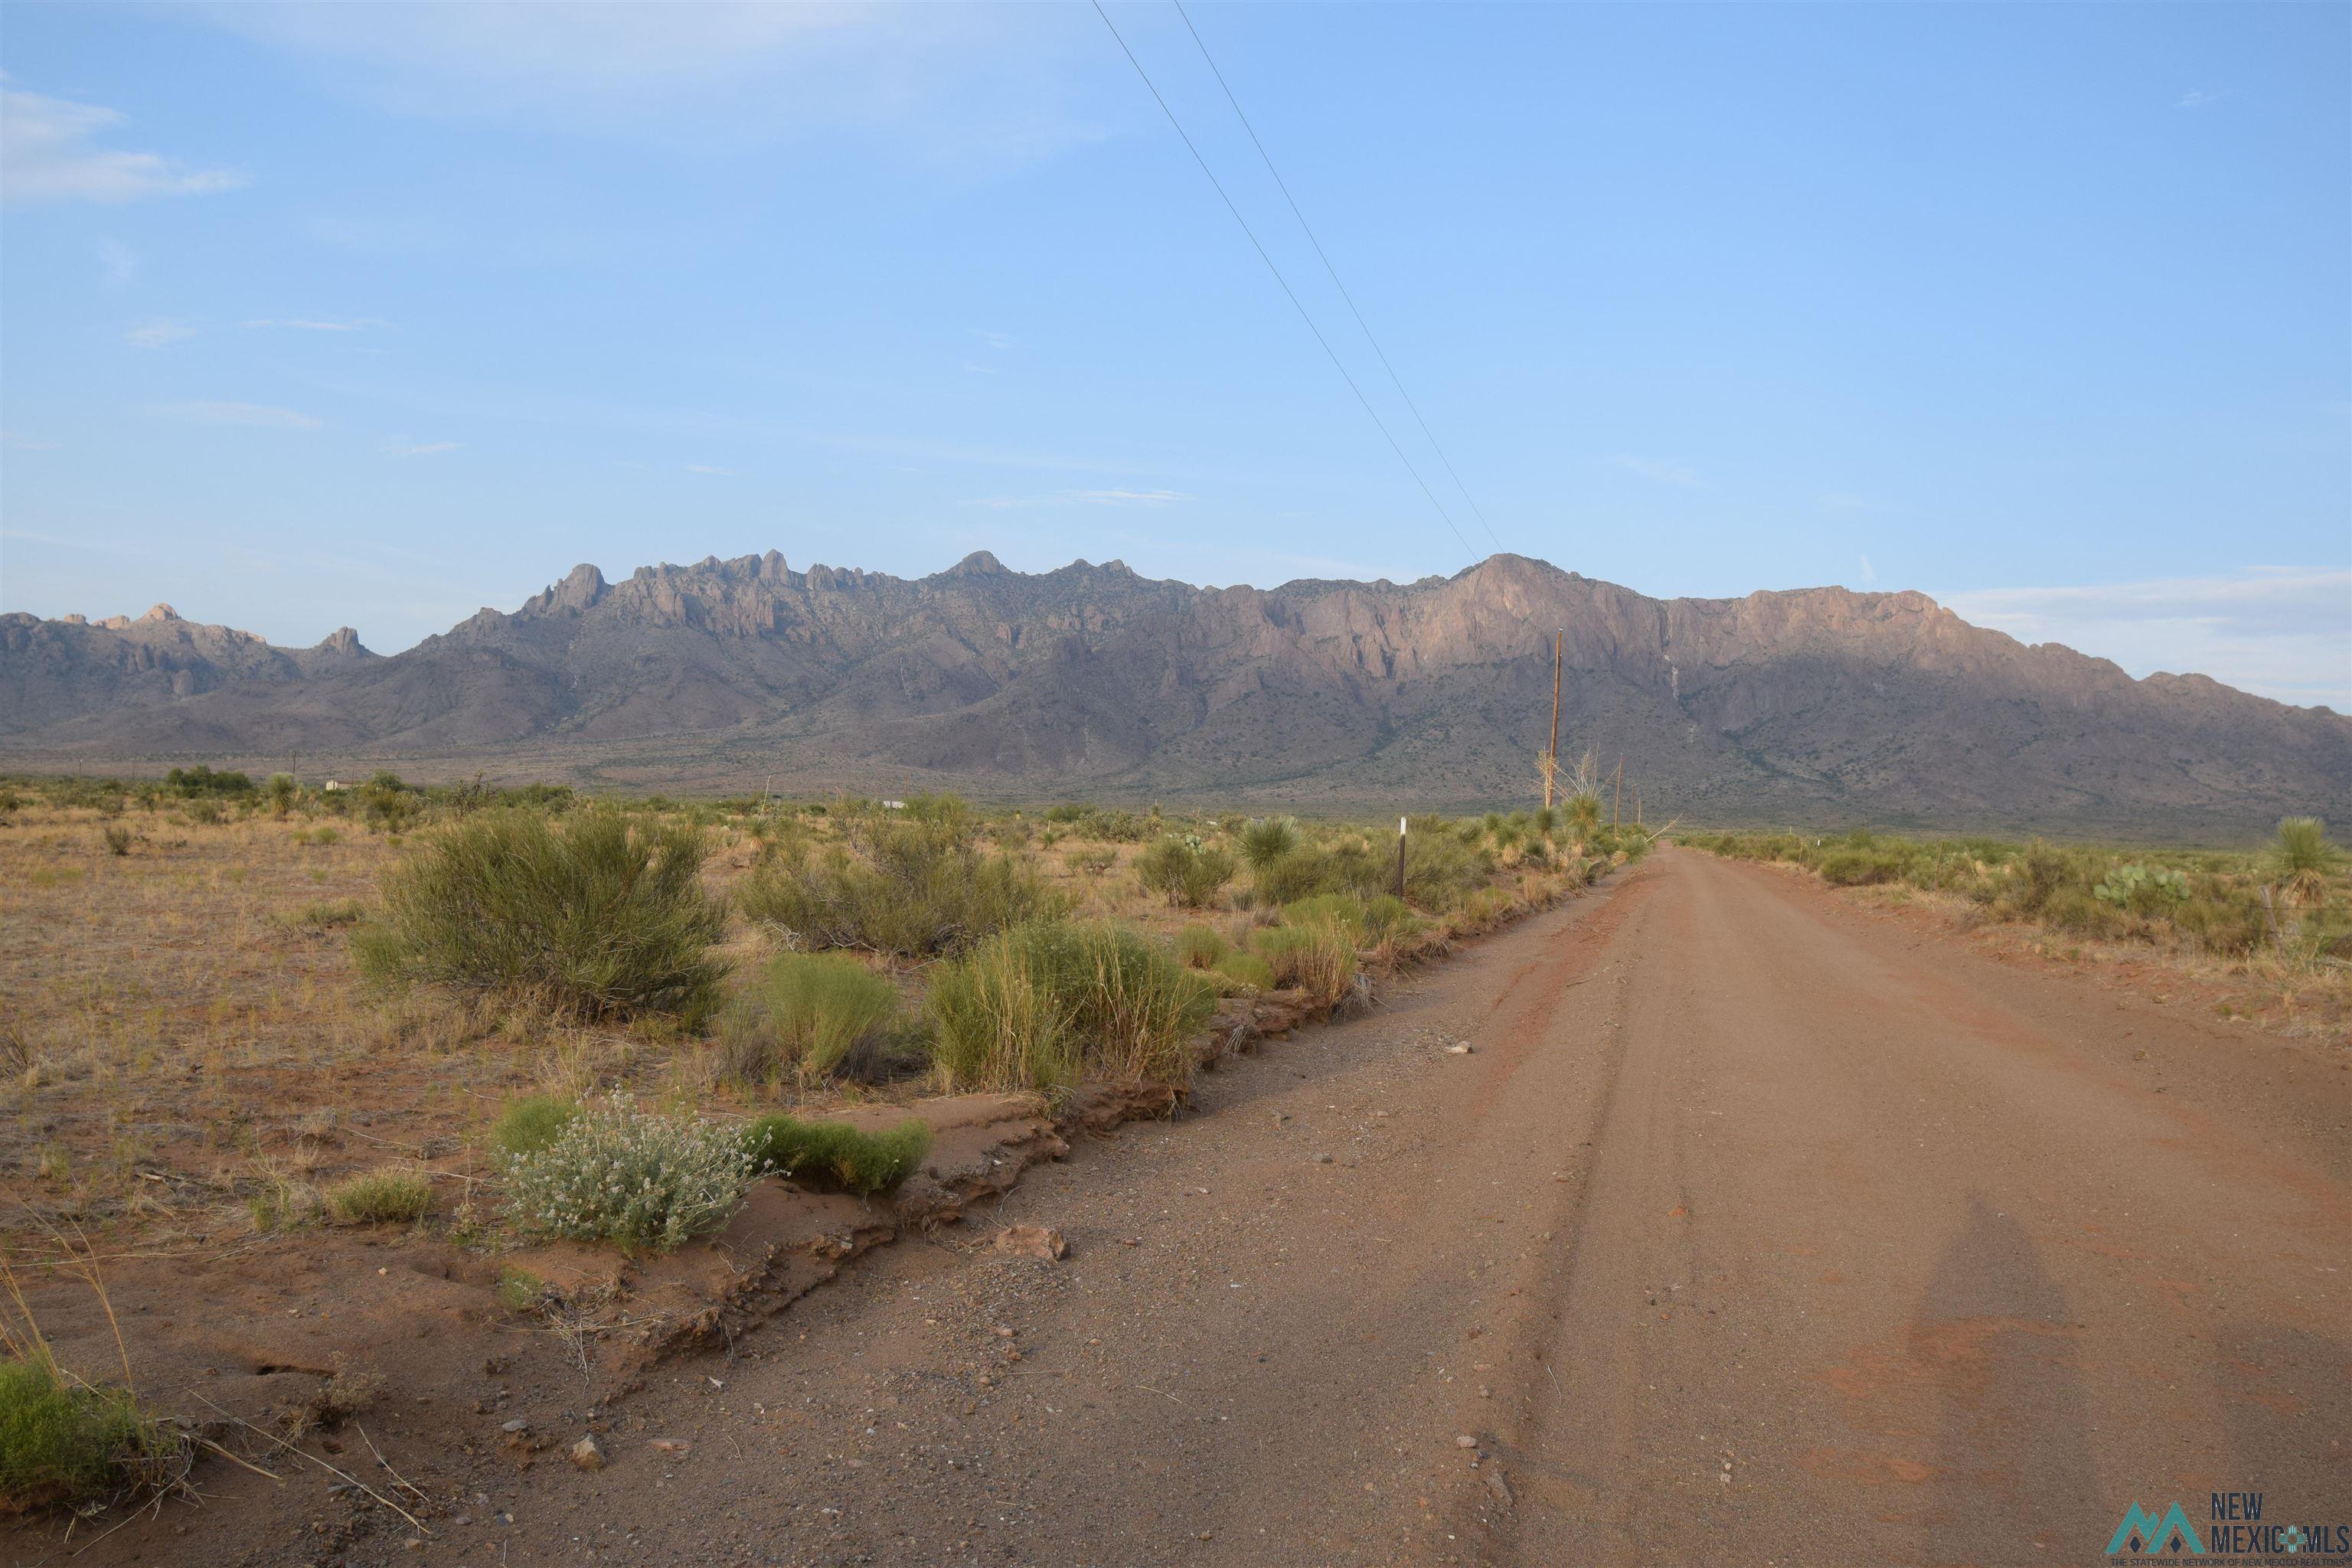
161 613
979 564
341 640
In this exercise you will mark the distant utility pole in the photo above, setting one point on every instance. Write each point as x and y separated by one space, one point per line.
1400 821
1637 802
1617 811
1551 758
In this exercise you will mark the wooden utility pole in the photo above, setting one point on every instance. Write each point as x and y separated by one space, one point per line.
1617 811
1400 888
1551 758
1637 804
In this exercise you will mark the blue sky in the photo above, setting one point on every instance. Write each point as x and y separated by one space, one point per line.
374 315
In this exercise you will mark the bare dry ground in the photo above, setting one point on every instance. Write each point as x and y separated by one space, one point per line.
1757 1226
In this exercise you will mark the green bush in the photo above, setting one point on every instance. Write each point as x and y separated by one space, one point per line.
829 1154
617 1174
1248 968
1858 868
201 779
911 886
532 1124
382 1197
600 916
1037 1004
1186 870
1198 947
65 1443
815 1014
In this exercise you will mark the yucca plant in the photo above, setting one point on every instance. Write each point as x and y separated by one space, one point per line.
2302 860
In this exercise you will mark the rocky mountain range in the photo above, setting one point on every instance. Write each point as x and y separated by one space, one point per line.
1817 706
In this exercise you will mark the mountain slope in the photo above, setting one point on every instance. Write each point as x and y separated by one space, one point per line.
1815 705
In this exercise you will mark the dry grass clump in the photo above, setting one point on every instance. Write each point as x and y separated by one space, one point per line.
815 1015
382 1197
1038 1005
1317 958
592 917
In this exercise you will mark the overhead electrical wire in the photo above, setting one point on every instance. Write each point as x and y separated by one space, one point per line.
1284 187
1289 292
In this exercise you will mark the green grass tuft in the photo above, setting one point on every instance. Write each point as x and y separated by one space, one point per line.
834 1154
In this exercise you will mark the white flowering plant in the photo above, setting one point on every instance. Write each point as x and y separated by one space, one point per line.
621 1174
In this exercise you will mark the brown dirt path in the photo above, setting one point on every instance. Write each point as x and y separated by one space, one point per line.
1757 1229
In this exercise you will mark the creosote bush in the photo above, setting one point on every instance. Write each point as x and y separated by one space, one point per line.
833 1154
599 915
618 1173
915 885
1185 870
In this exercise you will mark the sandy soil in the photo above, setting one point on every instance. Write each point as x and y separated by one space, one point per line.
1757 1228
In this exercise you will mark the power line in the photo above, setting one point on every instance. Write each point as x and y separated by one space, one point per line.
1290 293
1334 271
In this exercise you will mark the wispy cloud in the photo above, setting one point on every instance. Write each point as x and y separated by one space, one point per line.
1082 498
157 335
117 262
1869 573
2197 97
1664 472
46 155
709 468
2281 631
18 441
359 325
254 413
1128 497
993 339
422 449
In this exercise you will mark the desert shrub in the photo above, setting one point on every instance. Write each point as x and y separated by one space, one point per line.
1198 947
1440 868
1040 1003
997 1021
1858 868
382 1197
816 1013
118 840
1265 841
282 792
1318 958
1248 968
914 886
2225 921
621 1174
2072 908
598 916
2039 872
532 1124
834 1154
65 1443
1342 910
2302 858
204 810
1186 870
201 779
1090 862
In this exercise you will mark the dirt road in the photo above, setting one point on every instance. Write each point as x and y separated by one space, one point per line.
1756 1228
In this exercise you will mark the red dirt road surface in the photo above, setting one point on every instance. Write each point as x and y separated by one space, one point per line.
1755 1228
